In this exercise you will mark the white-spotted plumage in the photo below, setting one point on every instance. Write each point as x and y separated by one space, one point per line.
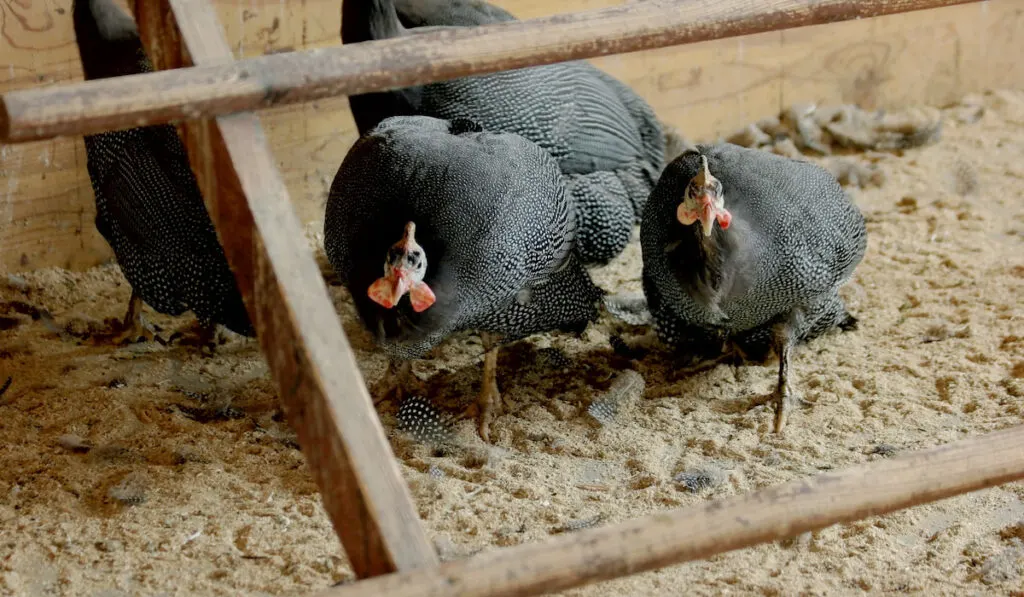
423 421
148 204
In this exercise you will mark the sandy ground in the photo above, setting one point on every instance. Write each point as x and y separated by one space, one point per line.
158 471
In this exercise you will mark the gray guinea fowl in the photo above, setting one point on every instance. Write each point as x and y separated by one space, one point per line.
148 205
605 138
748 249
437 227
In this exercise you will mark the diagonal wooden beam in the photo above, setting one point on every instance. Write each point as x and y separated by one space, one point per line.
715 527
293 77
318 381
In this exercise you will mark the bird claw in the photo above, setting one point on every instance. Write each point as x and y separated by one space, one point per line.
398 383
781 399
132 328
697 365
134 332
387 389
198 335
487 407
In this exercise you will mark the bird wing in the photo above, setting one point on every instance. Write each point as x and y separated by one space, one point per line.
154 191
603 135
793 213
462 13
643 115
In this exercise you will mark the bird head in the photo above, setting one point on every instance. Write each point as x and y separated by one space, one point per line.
703 200
404 269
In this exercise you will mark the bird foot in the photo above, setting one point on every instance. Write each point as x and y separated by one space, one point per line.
135 331
782 399
396 385
197 335
132 328
487 406
849 323
731 356
388 390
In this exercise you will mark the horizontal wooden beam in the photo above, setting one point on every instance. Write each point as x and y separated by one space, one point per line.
719 526
318 379
278 79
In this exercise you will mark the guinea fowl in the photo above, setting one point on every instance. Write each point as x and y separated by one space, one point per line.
766 277
148 205
485 242
605 138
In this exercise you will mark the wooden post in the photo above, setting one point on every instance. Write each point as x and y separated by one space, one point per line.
318 380
716 527
293 77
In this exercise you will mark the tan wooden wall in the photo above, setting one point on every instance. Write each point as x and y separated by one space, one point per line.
710 89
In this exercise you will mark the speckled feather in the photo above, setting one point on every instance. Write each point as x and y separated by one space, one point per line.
418 417
148 205
604 136
492 217
795 238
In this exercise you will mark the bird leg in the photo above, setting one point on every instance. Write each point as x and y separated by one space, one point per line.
784 341
488 402
133 328
398 382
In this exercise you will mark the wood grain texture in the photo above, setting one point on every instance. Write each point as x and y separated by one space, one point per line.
302 76
319 383
717 526
705 89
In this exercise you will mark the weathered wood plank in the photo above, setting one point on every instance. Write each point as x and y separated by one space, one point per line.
322 390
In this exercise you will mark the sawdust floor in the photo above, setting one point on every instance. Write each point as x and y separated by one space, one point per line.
152 470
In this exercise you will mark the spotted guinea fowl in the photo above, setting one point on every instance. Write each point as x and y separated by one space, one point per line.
485 242
148 205
748 249
605 138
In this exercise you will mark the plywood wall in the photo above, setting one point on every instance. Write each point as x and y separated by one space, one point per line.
710 89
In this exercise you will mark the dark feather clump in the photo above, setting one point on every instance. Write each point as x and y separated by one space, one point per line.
148 205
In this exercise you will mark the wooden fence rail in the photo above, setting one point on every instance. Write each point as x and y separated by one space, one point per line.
293 77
